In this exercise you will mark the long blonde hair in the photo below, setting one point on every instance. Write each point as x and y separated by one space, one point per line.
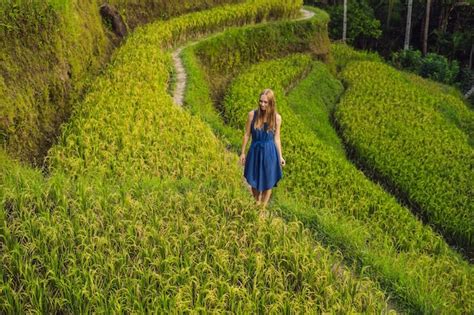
270 113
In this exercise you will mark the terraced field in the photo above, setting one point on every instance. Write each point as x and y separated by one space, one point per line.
143 209
418 139
333 197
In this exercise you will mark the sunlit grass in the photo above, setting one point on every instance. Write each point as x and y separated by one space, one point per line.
417 139
144 211
357 216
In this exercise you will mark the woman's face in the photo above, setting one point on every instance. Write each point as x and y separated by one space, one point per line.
263 102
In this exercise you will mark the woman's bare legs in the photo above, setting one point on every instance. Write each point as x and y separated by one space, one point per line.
256 195
262 199
265 197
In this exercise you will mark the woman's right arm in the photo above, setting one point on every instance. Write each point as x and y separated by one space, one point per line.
246 137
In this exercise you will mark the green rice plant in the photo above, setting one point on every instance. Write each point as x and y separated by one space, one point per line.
287 70
198 101
355 215
52 50
109 152
318 118
145 243
144 211
449 103
138 12
192 25
343 54
196 59
415 139
247 45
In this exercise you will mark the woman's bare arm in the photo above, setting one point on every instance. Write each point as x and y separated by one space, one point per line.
278 141
246 137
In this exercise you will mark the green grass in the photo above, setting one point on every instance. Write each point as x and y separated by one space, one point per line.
410 136
144 211
355 215
286 37
247 45
320 88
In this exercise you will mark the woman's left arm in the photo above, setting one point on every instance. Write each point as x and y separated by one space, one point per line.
277 140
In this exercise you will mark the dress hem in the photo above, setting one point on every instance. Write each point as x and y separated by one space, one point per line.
254 186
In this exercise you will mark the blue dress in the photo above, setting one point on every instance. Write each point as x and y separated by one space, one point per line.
262 165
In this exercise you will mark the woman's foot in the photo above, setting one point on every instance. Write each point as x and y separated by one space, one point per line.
263 213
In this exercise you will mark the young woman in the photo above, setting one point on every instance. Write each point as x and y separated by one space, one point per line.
264 159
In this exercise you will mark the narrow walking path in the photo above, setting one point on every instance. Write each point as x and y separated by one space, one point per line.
178 93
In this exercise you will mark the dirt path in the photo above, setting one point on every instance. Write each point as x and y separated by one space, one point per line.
178 93
181 76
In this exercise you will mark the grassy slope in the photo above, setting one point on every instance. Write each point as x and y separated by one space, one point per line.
49 53
356 215
144 211
411 137
209 73
245 46
322 89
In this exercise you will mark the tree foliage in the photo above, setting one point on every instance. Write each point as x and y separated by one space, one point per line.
362 24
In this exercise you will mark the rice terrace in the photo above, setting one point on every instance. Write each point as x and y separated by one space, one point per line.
122 186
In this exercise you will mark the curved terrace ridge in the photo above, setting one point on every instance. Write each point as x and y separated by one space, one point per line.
181 76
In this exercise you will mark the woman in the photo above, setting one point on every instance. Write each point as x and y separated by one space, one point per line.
264 160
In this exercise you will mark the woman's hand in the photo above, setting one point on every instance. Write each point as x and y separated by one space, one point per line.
282 161
242 159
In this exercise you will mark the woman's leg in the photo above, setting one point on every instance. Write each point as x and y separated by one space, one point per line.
256 194
266 196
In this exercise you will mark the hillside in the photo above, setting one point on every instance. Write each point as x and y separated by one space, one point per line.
141 207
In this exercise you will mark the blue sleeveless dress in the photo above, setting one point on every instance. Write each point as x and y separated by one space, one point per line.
262 165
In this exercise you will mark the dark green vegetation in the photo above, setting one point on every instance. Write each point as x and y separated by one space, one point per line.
445 52
362 26
432 66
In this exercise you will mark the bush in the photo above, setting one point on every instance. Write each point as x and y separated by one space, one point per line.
432 66
438 68
466 79
410 60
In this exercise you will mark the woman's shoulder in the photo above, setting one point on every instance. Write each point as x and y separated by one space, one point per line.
278 118
251 113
